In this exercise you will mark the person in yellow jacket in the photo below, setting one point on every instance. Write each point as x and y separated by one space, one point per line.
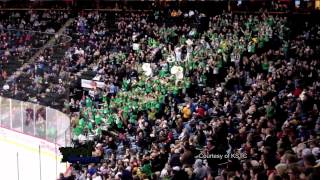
186 113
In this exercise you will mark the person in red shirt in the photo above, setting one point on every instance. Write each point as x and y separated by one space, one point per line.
297 92
200 112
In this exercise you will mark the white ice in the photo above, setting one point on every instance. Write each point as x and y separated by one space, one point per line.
20 161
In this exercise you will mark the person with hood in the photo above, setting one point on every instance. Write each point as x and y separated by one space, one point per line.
199 170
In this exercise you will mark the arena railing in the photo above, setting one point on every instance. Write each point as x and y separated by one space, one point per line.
35 120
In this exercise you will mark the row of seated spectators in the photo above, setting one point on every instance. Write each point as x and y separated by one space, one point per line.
23 33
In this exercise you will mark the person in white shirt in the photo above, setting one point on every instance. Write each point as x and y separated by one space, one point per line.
177 52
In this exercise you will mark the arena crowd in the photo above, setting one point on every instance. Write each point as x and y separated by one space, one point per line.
173 97
23 33
178 94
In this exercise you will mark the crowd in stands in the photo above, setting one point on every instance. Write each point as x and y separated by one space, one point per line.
23 33
174 97
177 94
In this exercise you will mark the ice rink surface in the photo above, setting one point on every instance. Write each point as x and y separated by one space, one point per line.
21 160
